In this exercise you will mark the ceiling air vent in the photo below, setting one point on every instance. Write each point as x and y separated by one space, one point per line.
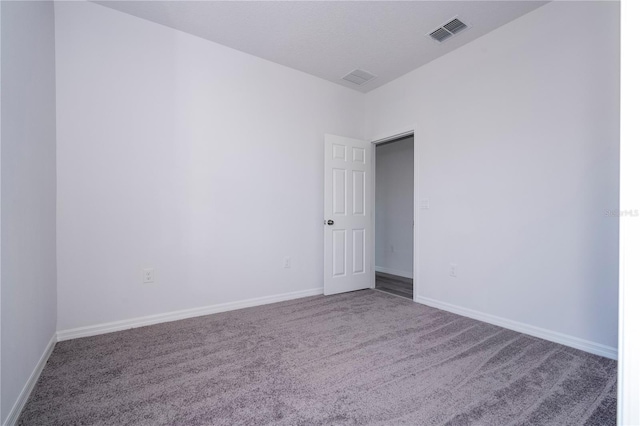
447 30
440 34
454 26
359 77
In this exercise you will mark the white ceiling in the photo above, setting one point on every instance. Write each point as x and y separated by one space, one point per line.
329 39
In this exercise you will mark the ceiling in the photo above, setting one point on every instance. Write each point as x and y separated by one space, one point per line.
329 39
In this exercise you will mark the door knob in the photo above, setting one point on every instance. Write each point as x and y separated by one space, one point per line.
330 222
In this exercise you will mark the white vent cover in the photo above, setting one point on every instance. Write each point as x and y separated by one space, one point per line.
440 34
447 30
359 77
454 26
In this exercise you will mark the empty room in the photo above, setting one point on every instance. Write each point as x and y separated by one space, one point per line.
317 213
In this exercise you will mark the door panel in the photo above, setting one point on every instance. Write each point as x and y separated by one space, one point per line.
359 197
339 252
347 194
359 251
339 192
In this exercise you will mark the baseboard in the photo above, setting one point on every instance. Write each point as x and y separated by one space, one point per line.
12 418
94 330
563 339
396 272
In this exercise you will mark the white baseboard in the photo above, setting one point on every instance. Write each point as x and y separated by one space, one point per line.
396 272
94 330
12 418
563 339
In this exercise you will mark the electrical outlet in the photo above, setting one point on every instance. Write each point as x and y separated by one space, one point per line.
287 262
453 270
147 276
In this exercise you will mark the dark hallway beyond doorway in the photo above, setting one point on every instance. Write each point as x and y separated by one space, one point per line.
394 284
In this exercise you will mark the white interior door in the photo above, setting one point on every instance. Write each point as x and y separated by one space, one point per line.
347 213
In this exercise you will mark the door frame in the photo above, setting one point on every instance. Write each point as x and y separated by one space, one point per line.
387 137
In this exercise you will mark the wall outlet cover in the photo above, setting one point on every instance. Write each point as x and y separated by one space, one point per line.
453 270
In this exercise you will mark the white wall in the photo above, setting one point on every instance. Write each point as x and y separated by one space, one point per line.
394 208
28 193
205 164
182 155
629 343
518 148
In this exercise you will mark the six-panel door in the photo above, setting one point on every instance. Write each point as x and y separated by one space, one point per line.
347 202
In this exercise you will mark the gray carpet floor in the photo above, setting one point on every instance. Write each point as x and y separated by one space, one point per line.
358 358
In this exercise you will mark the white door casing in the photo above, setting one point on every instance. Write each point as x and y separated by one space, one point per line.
348 203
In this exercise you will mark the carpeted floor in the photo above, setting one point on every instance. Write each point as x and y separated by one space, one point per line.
358 358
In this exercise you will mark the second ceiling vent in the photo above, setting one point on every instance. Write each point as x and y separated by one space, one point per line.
447 30
359 77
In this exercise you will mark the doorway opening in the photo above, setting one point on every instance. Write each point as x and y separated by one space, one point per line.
394 216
